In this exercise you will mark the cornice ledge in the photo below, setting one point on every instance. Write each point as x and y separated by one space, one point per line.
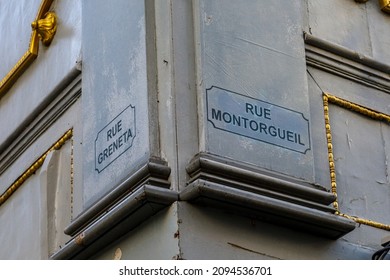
127 214
254 179
269 209
346 53
251 191
154 173
346 63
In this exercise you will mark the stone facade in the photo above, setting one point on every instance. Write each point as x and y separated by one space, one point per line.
194 129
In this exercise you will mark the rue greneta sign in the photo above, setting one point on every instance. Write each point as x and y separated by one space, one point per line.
258 120
115 138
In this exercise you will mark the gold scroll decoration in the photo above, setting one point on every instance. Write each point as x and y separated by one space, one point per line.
384 5
35 166
328 98
44 28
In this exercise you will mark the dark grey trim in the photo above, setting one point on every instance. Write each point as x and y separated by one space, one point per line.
266 195
155 172
267 208
117 221
63 97
345 52
216 182
256 180
346 63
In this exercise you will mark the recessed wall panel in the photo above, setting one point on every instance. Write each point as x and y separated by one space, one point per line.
254 100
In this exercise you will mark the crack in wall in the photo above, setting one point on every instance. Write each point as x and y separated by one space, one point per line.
252 251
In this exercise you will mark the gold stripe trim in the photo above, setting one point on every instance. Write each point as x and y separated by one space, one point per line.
332 169
29 56
71 178
34 167
367 222
328 98
357 108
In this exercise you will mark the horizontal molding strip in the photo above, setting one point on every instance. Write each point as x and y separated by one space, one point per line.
155 172
267 208
209 166
346 63
57 103
127 214
346 53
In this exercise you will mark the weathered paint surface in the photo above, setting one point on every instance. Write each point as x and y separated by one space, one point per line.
256 50
114 78
52 66
252 50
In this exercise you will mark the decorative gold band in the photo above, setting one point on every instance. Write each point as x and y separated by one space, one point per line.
367 222
357 108
34 167
328 98
330 151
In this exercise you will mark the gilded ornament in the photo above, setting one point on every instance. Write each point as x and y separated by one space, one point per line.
332 172
385 5
46 27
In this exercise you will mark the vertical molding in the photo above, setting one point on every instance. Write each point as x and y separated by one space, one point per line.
332 169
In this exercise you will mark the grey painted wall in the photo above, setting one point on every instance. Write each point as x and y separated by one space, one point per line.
255 50
153 67
51 68
360 27
114 78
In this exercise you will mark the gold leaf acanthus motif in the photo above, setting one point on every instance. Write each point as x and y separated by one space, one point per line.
44 28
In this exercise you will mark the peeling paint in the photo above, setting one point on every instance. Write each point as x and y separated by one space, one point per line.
118 254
